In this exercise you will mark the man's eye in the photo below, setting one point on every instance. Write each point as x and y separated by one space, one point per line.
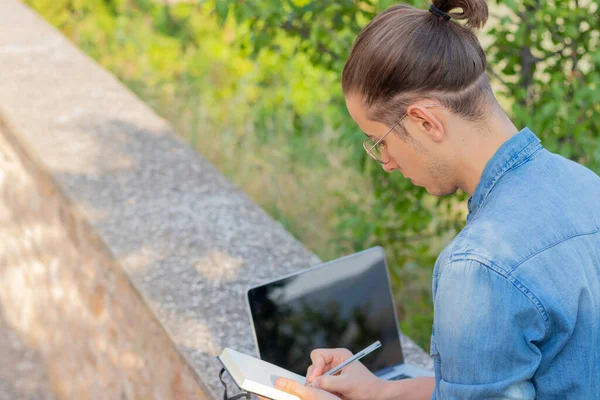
382 145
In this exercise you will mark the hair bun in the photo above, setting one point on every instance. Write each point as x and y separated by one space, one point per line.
474 12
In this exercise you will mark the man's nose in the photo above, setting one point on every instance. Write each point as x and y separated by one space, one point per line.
389 166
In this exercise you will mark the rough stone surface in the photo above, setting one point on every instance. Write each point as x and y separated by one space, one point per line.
160 219
22 372
68 305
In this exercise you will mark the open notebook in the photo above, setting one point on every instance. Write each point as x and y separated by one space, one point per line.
257 376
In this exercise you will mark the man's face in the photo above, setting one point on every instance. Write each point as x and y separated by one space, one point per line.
424 161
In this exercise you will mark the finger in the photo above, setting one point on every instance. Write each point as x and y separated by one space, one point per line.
309 373
321 358
292 387
331 383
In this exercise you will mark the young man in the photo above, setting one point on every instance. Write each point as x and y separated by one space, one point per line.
517 292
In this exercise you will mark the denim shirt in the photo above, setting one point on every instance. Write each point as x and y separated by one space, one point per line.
517 292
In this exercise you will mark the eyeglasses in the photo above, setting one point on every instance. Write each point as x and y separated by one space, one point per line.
235 397
375 148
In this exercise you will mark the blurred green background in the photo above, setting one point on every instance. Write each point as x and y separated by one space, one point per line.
254 85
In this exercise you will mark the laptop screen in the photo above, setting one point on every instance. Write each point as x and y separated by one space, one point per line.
343 303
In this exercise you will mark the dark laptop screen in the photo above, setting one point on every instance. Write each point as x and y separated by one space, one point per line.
343 303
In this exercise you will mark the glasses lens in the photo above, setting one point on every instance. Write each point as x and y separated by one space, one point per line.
374 151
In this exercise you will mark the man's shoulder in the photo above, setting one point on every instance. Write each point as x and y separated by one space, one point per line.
528 212
529 229
487 241
541 187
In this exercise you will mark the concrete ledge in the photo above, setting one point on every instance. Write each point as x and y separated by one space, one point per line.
156 238
69 301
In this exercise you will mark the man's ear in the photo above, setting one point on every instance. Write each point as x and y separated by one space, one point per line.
426 122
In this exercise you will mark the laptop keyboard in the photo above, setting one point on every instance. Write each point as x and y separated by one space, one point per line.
399 377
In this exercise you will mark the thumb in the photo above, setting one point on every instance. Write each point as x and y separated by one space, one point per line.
331 383
291 386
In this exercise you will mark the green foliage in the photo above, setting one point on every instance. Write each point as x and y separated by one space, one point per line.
254 85
325 29
548 53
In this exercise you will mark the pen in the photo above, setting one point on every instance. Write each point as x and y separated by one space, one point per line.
355 357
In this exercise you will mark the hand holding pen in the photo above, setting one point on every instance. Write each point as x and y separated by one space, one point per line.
355 381
316 369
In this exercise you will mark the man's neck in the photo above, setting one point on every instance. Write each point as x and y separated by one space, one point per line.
482 147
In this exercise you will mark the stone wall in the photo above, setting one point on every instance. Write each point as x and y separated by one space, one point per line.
124 255
64 293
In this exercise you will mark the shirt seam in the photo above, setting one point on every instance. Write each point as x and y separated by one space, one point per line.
548 247
524 290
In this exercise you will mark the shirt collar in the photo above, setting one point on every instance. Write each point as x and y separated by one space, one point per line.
512 152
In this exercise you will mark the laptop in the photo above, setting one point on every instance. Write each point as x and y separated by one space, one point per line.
345 303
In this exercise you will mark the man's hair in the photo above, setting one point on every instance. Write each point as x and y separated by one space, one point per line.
406 53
